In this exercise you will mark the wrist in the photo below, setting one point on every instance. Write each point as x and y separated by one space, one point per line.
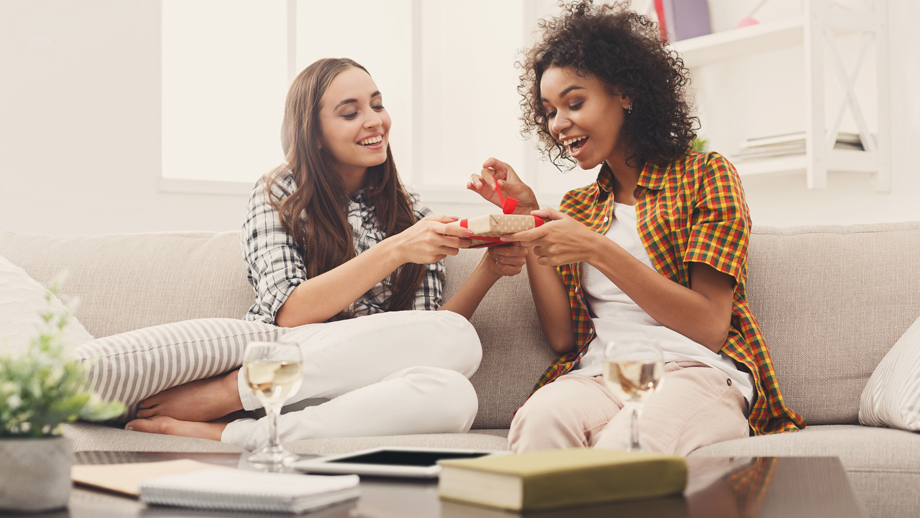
527 208
596 246
486 270
390 252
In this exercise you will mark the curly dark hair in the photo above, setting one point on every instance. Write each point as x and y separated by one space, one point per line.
623 50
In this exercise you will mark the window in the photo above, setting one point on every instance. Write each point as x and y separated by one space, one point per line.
446 71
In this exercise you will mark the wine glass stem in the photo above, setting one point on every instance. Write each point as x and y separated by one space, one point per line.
273 415
634 436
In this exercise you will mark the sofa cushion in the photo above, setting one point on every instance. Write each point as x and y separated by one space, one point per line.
859 447
832 300
131 281
103 438
94 437
130 367
888 494
892 395
22 302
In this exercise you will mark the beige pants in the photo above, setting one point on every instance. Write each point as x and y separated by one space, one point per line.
694 406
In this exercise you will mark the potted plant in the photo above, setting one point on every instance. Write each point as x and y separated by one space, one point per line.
41 388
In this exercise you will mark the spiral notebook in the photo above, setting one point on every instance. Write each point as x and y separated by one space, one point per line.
241 490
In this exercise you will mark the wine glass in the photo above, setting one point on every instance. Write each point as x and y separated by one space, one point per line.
273 372
632 370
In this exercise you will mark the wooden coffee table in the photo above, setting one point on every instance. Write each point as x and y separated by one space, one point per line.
787 487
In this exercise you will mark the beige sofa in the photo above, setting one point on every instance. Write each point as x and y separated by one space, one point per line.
831 301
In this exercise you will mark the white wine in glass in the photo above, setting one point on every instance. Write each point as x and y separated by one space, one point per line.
632 371
633 380
273 372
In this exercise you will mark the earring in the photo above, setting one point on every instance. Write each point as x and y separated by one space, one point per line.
629 110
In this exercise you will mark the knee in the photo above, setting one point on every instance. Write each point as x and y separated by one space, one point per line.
464 403
463 341
452 398
536 419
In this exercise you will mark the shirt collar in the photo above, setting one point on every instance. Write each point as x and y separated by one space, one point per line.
652 177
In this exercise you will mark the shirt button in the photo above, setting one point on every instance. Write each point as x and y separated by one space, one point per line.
729 381
606 219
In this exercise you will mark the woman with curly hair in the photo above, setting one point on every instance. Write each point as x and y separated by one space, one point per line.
656 247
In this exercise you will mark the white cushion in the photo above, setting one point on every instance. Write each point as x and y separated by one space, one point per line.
22 300
892 395
130 367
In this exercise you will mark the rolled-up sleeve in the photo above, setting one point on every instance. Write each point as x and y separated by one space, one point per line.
720 226
275 265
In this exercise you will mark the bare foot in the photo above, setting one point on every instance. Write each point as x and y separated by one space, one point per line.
200 401
169 426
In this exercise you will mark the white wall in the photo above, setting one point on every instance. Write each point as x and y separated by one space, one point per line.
80 143
80 123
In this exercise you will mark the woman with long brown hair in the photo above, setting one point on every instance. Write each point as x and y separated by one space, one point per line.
331 235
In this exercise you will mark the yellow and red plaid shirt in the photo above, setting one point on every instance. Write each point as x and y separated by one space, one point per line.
690 211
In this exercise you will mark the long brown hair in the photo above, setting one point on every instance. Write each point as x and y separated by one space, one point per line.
315 215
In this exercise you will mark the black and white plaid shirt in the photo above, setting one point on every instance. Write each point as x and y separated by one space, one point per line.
276 266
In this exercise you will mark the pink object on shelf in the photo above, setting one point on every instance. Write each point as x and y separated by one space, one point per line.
745 22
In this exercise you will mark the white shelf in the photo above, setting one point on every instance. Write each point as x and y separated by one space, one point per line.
782 164
837 160
741 42
816 32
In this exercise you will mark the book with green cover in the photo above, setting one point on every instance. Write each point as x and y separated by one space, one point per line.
559 478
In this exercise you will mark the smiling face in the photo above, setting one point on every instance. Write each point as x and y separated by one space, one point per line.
355 125
583 115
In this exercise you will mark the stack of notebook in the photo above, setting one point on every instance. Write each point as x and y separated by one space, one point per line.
197 485
787 144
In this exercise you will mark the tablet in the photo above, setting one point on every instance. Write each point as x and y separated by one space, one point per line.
389 462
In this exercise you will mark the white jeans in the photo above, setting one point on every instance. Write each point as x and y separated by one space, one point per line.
397 373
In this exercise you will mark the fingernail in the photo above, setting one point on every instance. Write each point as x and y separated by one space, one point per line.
467 233
129 428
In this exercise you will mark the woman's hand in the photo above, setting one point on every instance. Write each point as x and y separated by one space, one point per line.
497 171
507 260
560 240
430 240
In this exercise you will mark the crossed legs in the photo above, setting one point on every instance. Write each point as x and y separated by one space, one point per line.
392 373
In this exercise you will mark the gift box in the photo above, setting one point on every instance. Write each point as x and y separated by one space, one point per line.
488 229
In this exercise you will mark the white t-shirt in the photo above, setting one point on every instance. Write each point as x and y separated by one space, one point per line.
618 317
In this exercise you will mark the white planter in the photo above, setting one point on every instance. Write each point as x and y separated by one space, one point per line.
35 474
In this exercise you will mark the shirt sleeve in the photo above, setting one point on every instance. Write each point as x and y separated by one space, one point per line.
429 295
275 265
720 223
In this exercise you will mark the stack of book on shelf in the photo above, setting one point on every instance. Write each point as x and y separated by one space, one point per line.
553 479
761 148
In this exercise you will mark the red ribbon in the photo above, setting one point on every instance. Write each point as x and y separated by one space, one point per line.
509 203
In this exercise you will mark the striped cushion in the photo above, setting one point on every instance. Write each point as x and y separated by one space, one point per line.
892 396
133 366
